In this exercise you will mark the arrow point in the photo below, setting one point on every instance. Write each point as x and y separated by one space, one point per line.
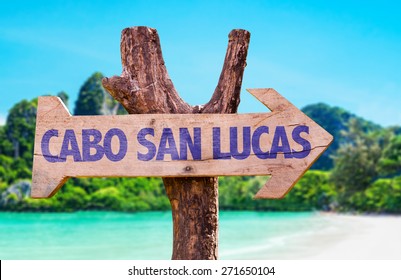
52 106
261 94
280 183
46 181
45 185
268 191
271 99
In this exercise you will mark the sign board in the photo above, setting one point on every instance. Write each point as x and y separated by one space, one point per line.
283 143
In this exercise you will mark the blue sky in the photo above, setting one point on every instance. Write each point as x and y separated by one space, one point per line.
344 53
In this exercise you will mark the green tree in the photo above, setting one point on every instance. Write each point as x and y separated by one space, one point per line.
72 198
395 129
7 173
107 198
335 120
94 100
6 147
383 196
20 129
312 192
356 161
390 161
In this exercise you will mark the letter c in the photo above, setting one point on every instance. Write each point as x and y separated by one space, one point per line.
45 146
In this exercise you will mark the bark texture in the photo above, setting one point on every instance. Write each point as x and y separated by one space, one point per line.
145 87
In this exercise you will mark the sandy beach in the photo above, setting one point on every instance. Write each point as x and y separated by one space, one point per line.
359 238
333 237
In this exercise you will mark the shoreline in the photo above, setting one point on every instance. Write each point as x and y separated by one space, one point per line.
332 236
242 235
360 237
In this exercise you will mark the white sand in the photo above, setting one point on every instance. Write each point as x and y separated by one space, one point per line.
357 238
328 237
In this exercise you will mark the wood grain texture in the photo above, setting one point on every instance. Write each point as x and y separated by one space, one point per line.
146 91
145 87
179 160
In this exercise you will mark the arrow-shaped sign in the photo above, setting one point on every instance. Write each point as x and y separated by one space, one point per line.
283 143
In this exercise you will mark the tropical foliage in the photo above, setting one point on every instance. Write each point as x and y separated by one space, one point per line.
361 171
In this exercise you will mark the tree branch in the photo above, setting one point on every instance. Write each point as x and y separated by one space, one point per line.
144 87
226 96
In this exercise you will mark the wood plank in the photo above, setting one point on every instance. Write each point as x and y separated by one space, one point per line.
283 143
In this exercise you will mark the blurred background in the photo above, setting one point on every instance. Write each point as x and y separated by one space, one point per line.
337 61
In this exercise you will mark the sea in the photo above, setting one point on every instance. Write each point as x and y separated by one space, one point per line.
149 235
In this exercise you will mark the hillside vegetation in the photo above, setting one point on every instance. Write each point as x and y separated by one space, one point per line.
361 170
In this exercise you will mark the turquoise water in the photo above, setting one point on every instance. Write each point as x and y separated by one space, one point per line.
148 235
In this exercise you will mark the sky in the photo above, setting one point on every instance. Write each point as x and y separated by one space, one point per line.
343 53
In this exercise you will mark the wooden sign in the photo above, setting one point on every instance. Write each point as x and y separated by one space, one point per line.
283 143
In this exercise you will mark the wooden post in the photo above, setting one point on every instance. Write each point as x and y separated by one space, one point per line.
144 87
